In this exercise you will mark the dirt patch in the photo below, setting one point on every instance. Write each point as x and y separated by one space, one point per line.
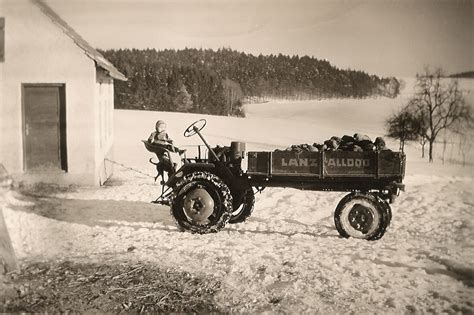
98 212
78 287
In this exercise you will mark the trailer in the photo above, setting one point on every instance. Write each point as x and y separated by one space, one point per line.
210 190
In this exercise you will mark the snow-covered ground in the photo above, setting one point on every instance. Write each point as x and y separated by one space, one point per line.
287 256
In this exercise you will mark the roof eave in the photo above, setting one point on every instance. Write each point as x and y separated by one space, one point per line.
110 70
116 75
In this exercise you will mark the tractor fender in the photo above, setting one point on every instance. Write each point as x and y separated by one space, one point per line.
189 168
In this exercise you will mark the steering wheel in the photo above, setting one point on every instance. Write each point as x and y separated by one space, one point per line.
195 127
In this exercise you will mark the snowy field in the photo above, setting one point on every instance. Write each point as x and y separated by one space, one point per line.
288 256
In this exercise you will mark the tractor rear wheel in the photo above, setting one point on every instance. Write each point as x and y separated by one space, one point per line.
362 215
244 209
201 203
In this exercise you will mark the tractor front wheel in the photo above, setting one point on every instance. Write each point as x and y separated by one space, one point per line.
201 203
362 215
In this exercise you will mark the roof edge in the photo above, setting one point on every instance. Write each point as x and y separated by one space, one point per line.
80 42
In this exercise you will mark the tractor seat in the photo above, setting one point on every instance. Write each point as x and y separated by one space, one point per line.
164 152
160 148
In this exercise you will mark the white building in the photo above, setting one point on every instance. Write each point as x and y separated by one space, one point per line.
56 98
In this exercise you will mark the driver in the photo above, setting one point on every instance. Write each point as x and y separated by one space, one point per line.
160 136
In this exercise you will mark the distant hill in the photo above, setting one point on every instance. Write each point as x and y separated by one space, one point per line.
219 82
463 75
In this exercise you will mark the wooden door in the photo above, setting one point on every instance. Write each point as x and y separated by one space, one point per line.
42 128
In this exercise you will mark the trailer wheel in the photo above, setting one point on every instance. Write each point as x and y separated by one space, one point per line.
243 210
361 215
388 210
201 203
386 216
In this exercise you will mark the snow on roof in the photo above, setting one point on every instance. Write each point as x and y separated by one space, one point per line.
90 51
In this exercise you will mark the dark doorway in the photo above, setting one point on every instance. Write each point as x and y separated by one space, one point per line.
44 128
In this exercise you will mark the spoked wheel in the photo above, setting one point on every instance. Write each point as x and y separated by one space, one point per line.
201 203
362 215
242 210
195 127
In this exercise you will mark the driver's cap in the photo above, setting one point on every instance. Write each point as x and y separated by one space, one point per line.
160 122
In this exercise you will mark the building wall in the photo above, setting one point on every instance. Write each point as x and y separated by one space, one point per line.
2 113
37 51
104 104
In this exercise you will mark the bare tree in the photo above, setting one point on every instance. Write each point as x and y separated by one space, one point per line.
440 104
404 126
423 144
445 144
421 124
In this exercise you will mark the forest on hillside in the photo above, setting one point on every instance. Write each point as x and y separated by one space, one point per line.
463 75
220 82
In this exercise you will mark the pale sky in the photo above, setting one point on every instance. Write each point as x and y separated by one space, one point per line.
385 37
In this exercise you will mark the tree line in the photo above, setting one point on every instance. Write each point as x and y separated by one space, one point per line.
219 82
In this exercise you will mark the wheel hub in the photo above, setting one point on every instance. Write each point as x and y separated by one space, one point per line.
199 205
361 218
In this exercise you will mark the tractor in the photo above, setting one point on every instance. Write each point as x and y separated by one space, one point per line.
212 189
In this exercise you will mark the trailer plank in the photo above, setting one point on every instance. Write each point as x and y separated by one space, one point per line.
328 164
350 164
290 163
